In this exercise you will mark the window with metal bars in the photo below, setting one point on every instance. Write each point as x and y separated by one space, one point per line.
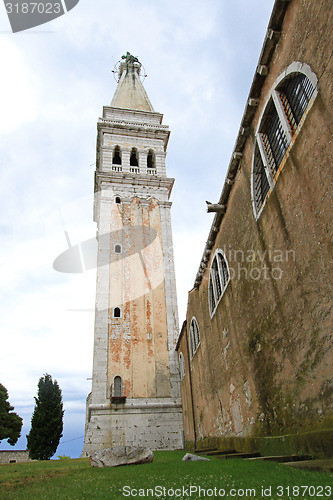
295 94
181 366
273 136
219 278
260 182
224 270
194 336
279 124
211 297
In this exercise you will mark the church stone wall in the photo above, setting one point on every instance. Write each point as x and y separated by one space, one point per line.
263 365
14 456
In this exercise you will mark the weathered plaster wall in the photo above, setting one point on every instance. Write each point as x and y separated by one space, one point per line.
138 340
264 362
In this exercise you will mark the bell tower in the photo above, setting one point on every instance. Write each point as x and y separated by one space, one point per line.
135 397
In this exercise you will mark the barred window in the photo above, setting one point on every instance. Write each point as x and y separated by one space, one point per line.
295 94
219 278
181 366
260 182
273 136
280 122
194 336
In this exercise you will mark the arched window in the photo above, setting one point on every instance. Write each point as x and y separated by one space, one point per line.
117 312
117 387
219 278
117 200
272 137
194 336
260 178
117 249
151 159
292 95
181 366
116 158
134 162
295 93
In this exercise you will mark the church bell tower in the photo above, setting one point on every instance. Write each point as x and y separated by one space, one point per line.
135 397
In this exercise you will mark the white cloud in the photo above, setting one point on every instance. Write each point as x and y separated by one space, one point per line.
19 89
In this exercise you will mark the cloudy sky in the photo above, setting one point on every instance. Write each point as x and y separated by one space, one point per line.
200 58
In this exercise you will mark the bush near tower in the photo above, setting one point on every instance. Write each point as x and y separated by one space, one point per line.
46 422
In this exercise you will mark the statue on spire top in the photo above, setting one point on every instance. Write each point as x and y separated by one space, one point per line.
129 59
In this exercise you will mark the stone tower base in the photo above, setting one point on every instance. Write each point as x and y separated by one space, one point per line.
152 422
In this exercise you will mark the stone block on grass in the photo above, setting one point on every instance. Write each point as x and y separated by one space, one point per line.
121 455
189 457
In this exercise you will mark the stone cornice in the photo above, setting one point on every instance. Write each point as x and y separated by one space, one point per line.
137 114
133 180
129 128
165 204
131 124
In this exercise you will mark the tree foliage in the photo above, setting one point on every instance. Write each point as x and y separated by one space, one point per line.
46 421
10 422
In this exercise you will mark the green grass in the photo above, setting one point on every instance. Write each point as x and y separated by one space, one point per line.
75 479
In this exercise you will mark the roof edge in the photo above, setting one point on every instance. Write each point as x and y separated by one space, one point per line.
272 38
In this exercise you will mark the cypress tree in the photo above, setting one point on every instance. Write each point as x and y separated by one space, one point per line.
46 422
10 422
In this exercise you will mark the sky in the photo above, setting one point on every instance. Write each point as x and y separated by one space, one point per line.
200 58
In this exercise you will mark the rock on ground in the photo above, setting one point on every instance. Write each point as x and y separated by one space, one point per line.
192 458
121 455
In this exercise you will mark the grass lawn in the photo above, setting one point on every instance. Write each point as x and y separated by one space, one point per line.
166 478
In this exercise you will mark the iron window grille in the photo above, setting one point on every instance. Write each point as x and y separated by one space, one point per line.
260 181
274 137
181 366
219 278
279 124
194 336
295 95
